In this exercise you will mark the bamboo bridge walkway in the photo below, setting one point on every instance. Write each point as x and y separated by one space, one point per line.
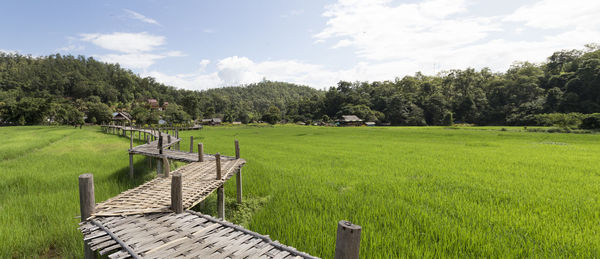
153 220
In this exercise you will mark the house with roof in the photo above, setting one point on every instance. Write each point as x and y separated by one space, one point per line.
121 118
350 120
212 121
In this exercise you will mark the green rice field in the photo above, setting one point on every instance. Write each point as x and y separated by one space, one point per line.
416 191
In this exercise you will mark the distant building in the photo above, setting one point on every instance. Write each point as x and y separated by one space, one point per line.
165 105
237 123
153 104
370 123
350 120
121 118
212 121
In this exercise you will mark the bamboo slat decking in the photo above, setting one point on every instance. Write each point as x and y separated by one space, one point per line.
140 222
185 235
154 196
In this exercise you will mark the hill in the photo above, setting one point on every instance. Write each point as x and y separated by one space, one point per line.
63 89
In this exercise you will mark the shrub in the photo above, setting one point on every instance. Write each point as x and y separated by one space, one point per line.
562 120
591 121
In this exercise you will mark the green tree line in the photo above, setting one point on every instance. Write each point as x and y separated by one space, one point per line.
64 89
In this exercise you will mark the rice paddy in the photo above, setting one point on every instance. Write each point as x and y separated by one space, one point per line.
416 192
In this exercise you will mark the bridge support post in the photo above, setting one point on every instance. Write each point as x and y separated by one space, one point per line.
130 165
191 144
220 190
177 193
131 141
200 152
347 242
87 203
158 166
169 141
221 202
160 144
166 166
177 137
238 176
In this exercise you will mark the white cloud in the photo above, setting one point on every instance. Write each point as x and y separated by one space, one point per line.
197 81
389 39
8 51
380 31
236 70
203 64
558 14
125 42
71 48
444 34
141 17
137 60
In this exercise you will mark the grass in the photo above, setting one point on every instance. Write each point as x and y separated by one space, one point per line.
39 199
416 192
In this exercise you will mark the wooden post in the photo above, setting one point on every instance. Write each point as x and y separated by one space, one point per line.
131 141
166 167
221 202
200 152
347 243
87 202
220 190
218 160
169 141
148 157
238 175
177 193
130 165
159 166
191 144
160 144
177 136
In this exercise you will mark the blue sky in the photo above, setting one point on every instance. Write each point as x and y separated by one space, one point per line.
205 44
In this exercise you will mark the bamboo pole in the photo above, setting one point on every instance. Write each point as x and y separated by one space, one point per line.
347 243
177 193
87 203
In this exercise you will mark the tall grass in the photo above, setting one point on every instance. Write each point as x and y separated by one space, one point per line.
420 192
417 192
39 199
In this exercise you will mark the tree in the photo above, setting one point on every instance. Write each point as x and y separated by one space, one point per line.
99 113
273 115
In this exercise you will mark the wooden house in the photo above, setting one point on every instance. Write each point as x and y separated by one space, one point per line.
121 118
350 120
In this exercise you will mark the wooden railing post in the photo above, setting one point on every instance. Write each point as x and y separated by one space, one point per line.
220 190
347 242
200 152
177 137
221 202
169 141
131 141
87 203
218 160
177 193
166 166
149 158
159 166
131 165
160 144
191 144
238 175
